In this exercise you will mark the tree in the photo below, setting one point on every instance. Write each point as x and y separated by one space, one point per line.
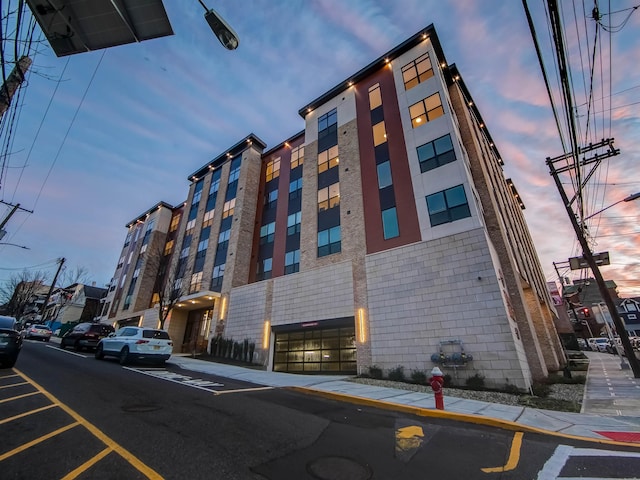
168 286
77 275
21 290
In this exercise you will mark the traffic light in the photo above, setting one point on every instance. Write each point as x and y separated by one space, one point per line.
586 312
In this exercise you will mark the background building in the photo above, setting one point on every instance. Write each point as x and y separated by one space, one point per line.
384 233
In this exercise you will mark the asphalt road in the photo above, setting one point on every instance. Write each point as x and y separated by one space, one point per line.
66 415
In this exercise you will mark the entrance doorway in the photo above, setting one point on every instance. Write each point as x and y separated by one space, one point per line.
197 331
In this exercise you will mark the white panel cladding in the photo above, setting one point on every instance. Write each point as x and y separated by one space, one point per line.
446 176
344 102
317 294
444 289
247 313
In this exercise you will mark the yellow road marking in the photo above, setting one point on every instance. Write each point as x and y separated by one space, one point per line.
41 439
514 456
239 390
9 376
13 385
18 397
86 465
25 414
128 456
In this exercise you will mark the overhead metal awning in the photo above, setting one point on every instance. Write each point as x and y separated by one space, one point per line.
76 26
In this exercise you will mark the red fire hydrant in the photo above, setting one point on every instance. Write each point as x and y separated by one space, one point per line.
437 382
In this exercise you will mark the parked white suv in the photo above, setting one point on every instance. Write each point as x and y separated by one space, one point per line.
136 343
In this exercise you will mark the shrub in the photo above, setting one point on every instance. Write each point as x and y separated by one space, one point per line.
448 380
375 372
574 379
511 388
419 377
397 374
541 389
475 382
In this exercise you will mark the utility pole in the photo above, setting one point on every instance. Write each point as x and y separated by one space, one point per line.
13 210
53 284
14 81
586 250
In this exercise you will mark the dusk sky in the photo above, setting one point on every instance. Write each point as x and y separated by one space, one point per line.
127 125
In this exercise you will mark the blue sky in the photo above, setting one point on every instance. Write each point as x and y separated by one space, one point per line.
149 114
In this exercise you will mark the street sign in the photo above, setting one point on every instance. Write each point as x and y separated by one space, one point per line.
578 263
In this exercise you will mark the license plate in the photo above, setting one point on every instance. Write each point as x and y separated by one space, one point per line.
156 347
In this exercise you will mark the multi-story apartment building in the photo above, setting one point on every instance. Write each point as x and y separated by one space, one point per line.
385 233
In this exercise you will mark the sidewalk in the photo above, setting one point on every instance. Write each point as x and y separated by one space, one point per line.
611 405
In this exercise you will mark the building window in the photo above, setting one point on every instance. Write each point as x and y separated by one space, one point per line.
218 274
417 71
191 224
295 188
227 209
426 110
273 169
379 134
264 269
328 159
267 233
292 262
168 247
448 206
390 223
329 197
175 221
197 194
297 156
196 283
208 218
435 154
329 241
375 98
293 223
234 172
384 174
327 123
223 239
271 199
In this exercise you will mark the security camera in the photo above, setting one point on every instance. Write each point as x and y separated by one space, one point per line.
228 38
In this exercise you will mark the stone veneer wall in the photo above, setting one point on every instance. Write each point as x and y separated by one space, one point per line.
443 289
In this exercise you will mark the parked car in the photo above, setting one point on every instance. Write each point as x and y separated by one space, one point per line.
85 335
582 344
10 341
40 332
598 344
136 343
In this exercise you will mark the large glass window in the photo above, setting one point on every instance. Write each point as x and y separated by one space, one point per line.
328 159
271 199
379 134
293 223
448 206
197 194
267 233
384 174
295 188
434 154
234 172
297 156
228 208
264 269
292 262
273 169
390 223
426 110
329 197
329 241
216 279
375 98
417 71
327 122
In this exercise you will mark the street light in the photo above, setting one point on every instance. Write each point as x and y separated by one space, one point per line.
630 198
228 38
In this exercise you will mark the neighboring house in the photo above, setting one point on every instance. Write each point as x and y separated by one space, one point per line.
583 298
629 309
75 303
382 233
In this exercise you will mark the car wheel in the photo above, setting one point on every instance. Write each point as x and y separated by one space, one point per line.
46 339
10 363
99 352
62 344
124 356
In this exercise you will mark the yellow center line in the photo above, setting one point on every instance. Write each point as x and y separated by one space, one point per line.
514 456
86 465
41 439
18 397
13 385
128 456
25 414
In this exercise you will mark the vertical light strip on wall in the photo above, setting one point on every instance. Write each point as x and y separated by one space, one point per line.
265 335
223 308
362 334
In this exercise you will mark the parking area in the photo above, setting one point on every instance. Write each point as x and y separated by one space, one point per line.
37 429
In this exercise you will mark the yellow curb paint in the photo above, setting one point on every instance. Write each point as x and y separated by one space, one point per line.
13 385
18 397
514 456
26 414
128 456
462 417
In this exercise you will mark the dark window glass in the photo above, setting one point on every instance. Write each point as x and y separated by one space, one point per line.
384 175
434 154
390 223
448 206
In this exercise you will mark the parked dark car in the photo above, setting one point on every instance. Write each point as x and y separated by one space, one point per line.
85 335
10 341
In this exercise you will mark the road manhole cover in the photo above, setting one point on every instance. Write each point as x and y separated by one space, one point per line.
338 468
140 408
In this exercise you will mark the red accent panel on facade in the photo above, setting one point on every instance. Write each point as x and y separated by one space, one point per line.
408 225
